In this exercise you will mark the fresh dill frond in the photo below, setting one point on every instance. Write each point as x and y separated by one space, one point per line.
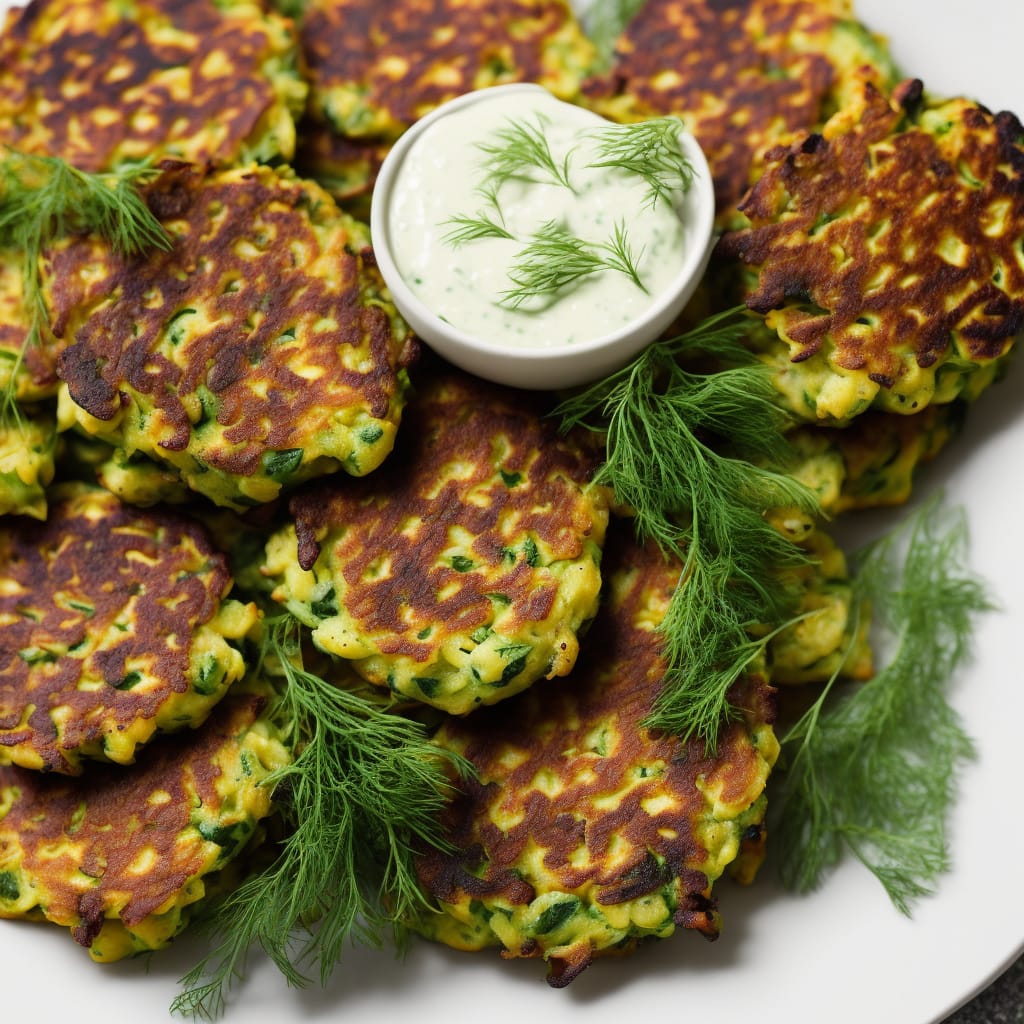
604 21
686 453
471 229
873 770
555 259
651 150
44 198
621 256
520 150
364 792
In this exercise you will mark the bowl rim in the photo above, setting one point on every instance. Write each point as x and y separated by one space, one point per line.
699 229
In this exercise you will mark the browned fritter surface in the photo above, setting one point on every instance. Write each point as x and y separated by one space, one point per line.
442 477
742 75
137 583
569 778
140 812
407 57
93 82
287 343
889 235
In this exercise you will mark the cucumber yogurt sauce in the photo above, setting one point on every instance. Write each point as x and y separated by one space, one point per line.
523 165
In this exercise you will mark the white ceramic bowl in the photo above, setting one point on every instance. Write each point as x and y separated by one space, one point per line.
560 366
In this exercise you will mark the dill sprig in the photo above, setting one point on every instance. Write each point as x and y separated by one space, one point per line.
650 150
520 150
681 449
471 229
44 198
554 259
364 792
874 770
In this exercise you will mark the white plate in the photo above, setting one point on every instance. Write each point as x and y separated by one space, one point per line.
840 956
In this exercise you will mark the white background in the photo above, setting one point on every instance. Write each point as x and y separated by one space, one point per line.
841 956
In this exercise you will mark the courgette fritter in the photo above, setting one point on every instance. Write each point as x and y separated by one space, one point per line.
583 831
115 624
886 255
259 351
742 75
465 568
374 69
121 856
102 82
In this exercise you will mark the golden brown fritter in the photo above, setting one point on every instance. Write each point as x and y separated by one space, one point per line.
464 569
583 831
99 82
888 254
258 352
114 626
376 68
742 75
119 856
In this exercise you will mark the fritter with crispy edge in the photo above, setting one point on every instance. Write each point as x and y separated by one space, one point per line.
101 82
376 68
888 255
464 570
584 832
742 76
115 625
121 856
259 351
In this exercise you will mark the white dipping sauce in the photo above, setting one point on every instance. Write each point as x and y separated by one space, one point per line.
439 179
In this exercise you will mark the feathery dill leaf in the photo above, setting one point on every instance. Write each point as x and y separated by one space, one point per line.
520 150
680 452
555 259
43 198
873 771
364 792
650 150
604 21
470 229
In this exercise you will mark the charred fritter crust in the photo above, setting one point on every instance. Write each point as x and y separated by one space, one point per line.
258 352
376 68
584 832
121 856
888 254
463 570
28 446
742 75
114 625
200 81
